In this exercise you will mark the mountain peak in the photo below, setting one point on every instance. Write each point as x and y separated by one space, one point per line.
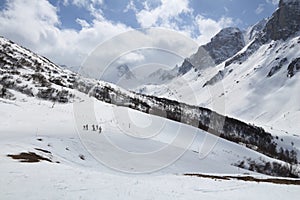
124 70
222 46
228 30
225 44
285 21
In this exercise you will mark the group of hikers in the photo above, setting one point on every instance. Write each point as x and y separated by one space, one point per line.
93 128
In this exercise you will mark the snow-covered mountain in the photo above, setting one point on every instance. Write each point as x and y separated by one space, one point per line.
120 75
259 83
123 70
221 47
130 77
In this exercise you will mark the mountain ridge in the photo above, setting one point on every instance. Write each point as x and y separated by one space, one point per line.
259 82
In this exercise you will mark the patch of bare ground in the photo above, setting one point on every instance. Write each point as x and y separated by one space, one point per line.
281 181
29 157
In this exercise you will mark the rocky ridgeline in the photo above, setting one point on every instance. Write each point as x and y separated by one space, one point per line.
222 46
285 22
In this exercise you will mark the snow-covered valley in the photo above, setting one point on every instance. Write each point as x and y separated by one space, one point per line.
35 126
222 125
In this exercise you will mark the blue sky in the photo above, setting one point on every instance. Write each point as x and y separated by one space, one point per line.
67 30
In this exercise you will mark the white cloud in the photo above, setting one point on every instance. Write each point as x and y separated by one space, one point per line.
169 14
83 23
30 19
131 57
83 3
89 5
130 6
260 9
35 24
163 14
135 41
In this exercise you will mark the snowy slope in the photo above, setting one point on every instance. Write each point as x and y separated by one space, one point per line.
31 75
71 182
34 125
61 133
251 94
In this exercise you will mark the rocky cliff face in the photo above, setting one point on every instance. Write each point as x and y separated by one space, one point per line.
224 45
285 21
